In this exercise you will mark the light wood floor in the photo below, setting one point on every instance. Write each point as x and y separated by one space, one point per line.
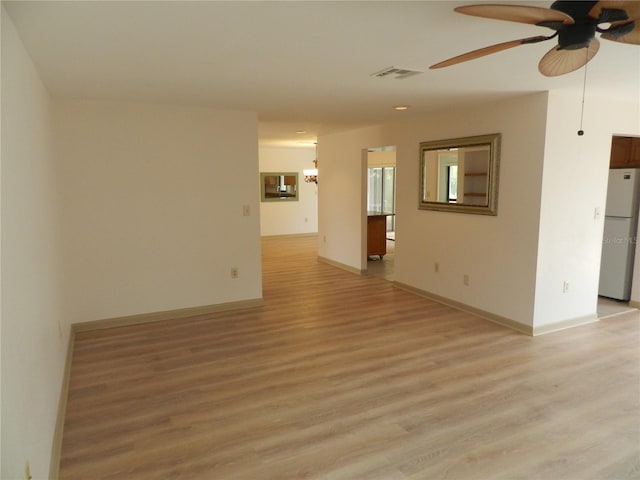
384 267
342 376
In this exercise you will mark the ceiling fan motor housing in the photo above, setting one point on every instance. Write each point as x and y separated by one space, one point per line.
579 34
576 36
575 9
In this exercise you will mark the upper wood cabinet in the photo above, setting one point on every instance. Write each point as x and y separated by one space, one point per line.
625 152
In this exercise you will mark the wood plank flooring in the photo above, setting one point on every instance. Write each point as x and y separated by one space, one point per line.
340 376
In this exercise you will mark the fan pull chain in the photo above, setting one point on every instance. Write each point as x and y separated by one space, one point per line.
584 89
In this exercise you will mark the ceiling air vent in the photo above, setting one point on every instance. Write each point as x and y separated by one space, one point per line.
396 72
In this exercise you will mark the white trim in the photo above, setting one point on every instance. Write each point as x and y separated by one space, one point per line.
166 315
505 322
56 447
291 235
565 324
342 266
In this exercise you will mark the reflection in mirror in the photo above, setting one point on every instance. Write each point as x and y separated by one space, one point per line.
460 174
277 187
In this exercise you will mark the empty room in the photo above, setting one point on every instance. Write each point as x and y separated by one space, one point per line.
187 285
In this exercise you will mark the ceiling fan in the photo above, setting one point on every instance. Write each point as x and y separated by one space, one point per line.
575 24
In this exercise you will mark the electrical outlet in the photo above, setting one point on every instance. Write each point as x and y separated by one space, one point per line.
324 239
436 267
235 273
465 279
306 219
565 287
246 210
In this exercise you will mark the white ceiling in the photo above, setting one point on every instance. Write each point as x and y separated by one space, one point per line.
300 65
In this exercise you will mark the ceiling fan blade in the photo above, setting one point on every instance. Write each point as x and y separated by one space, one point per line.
617 31
558 62
481 52
596 10
628 35
633 37
516 13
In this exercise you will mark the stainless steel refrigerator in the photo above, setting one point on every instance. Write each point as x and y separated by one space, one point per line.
619 240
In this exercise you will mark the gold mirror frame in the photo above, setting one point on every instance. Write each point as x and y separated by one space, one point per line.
484 202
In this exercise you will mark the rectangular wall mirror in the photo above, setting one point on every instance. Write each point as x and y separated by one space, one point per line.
460 174
278 187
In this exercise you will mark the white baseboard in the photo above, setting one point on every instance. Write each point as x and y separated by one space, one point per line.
166 315
342 266
56 448
505 322
291 235
565 324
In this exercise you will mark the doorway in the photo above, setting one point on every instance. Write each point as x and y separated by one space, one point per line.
381 208
620 229
381 195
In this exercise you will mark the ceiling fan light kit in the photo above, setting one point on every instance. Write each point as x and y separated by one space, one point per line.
575 24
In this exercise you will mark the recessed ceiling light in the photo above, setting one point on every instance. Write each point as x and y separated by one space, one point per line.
301 131
401 107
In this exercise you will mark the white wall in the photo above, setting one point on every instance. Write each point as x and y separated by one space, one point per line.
551 181
35 331
286 218
342 194
497 252
153 207
574 185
